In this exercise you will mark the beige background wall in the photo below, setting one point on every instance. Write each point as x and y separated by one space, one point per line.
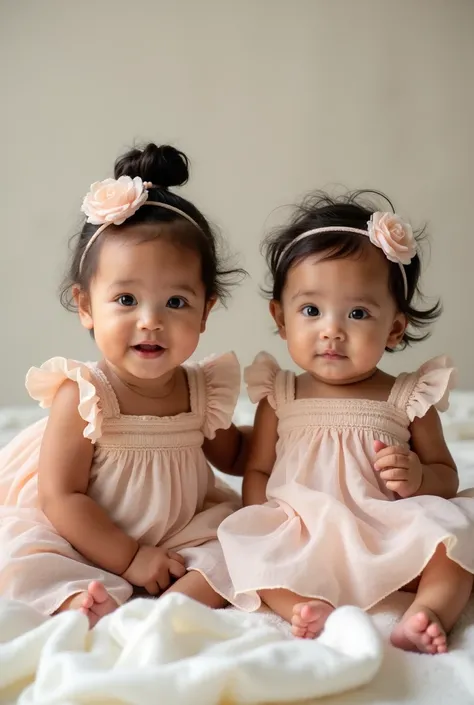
270 99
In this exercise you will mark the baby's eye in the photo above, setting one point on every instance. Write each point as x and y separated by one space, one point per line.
127 300
310 311
358 314
176 302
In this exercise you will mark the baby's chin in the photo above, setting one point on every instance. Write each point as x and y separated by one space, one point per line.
338 372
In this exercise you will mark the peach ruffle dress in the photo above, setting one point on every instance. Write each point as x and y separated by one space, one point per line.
148 472
330 529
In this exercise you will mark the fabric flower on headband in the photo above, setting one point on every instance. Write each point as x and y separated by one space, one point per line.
393 236
114 200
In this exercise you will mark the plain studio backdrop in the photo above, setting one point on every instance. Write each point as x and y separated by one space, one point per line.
270 99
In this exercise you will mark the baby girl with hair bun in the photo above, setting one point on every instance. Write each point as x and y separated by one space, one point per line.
114 491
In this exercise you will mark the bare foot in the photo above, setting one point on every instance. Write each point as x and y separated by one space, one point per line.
96 603
420 631
309 618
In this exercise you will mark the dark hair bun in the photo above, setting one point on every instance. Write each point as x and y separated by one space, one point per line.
164 166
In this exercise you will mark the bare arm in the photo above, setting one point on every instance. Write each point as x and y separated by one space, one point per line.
262 455
63 477
440 475
228 451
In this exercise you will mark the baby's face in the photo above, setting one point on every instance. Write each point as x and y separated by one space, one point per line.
338 315
146 305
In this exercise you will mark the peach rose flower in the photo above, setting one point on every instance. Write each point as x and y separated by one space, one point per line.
393 236
114 200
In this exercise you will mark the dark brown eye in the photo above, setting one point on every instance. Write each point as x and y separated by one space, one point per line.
176 302
358 314
127 300
310 311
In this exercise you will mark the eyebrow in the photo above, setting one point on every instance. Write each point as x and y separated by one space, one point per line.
121 283
184 287
369 301
304 295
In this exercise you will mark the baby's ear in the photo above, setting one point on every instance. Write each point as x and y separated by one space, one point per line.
276 311
83 303
397 331
210 303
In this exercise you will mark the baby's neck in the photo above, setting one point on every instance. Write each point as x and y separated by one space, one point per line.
149 398
375 385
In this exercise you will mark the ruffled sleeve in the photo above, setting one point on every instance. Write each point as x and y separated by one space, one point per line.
260 378
434 381
43 382
222 384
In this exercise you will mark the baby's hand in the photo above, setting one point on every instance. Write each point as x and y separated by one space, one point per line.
400 469
153 567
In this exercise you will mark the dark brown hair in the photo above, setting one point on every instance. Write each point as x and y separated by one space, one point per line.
164 167
350 210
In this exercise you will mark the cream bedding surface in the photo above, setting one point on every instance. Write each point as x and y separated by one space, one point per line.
174 651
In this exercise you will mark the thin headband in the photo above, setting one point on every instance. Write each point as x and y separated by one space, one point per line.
386 231
113 201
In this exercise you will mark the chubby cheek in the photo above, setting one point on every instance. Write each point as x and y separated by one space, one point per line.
185 333
301 340
112 331
370 344
116 325
111 340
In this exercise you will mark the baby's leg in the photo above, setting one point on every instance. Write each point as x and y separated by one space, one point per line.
306 616
194 585
94 604
442 594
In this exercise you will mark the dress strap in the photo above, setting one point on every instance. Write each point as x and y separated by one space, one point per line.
214 386
108 399
197 390
284 387
401 390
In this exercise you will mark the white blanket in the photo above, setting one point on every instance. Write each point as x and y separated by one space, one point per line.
175 651
242 658
408 678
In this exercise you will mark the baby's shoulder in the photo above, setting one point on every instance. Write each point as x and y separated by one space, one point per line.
416 392
44 383
265 379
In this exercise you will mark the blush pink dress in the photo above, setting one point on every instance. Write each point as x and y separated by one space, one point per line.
330 529
148 472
